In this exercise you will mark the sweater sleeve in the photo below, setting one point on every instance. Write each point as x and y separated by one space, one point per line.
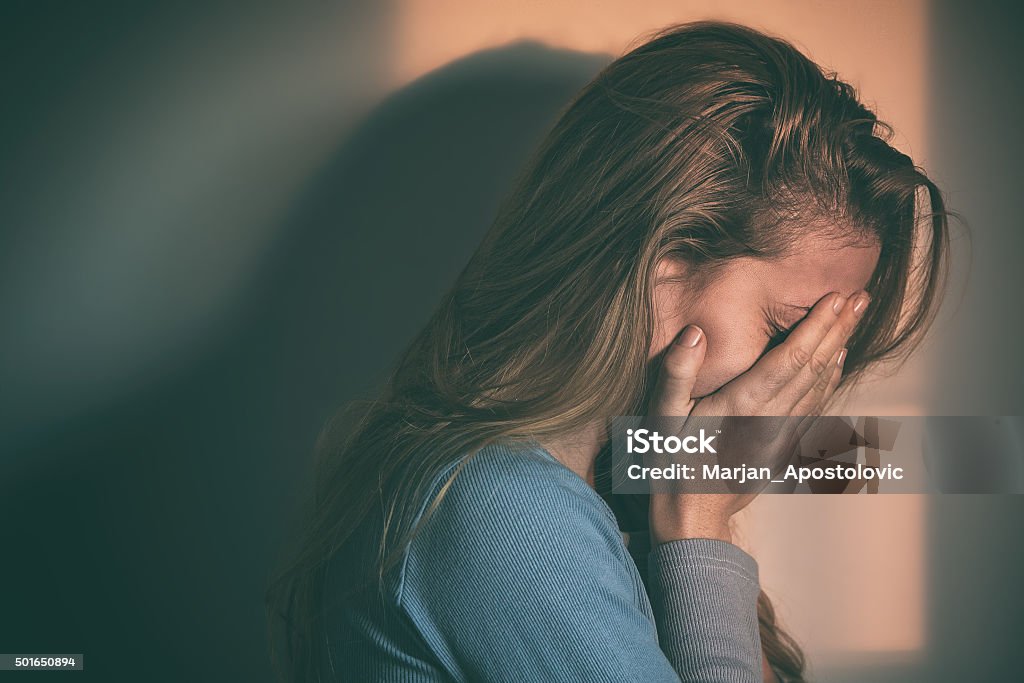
704 593
520 573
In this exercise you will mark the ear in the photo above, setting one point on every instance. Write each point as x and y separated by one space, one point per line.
671 269
669 298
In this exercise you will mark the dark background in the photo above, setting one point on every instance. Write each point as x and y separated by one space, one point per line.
164 373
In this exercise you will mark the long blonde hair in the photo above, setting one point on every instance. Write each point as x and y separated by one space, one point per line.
709 142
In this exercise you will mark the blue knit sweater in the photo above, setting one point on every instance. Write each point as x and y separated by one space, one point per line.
521 574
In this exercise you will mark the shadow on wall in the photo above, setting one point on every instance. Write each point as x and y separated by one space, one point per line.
146 540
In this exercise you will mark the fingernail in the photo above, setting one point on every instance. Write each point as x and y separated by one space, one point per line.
691 336
842 357
837 303
861 304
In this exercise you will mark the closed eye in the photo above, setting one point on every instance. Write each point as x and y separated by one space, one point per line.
777 331
776 335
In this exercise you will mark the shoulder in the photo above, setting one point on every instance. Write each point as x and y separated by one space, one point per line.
511 506
512 483
528 471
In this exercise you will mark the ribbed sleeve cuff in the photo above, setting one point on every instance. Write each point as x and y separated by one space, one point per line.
671 556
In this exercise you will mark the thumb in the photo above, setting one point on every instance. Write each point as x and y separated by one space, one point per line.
679 367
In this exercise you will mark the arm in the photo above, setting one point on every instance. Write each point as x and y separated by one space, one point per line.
521 574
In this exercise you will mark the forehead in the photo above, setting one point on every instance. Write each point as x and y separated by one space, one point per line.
802 277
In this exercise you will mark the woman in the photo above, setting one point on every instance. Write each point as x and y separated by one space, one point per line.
698 234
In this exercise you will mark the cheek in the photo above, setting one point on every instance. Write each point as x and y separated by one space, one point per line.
735 333
731 352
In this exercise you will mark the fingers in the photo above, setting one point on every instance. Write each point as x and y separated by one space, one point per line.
833 384
788 360
679 369
815 400
826 353
794 368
